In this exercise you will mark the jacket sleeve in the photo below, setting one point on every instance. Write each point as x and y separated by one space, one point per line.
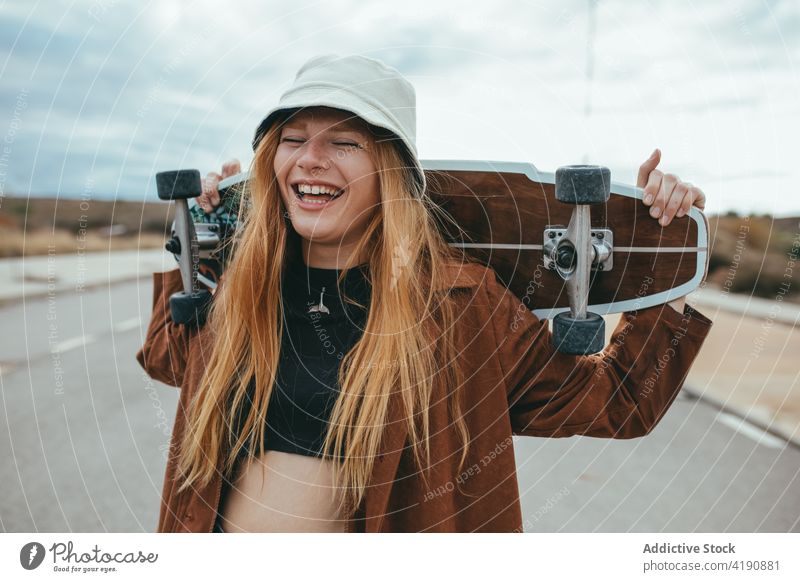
164 352
621 392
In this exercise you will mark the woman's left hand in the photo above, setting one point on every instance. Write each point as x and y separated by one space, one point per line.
667 198
665 194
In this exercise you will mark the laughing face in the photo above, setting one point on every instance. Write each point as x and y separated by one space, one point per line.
328 182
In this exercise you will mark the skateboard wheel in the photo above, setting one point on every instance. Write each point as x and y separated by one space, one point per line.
190 308
583 184
578 336
178 184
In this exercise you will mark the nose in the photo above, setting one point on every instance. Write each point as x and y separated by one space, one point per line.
313 156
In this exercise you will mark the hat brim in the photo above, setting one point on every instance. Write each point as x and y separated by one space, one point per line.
302 100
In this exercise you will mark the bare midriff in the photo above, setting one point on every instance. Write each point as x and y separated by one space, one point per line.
281 492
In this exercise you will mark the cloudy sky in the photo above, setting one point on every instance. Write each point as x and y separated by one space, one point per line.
99 95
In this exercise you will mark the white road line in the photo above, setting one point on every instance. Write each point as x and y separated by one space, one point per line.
131 323
751 431
82 340
73 343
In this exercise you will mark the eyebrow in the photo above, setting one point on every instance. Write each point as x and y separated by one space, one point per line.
342 127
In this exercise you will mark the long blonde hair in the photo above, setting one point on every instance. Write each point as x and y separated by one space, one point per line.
407 256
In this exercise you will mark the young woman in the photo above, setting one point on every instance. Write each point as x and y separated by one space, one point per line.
355 372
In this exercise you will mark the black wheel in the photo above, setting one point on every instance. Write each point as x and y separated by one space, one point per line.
579 336
190 308
178 184
583 184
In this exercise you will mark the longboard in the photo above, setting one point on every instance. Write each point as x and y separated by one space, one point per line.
506 212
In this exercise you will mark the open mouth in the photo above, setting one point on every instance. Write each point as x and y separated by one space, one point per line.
316 194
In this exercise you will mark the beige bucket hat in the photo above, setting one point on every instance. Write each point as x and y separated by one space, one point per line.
366 87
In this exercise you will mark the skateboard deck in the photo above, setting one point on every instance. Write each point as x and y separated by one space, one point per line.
505 213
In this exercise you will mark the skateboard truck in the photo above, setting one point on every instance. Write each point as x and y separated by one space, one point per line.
190 305
602 248
574 252
209 237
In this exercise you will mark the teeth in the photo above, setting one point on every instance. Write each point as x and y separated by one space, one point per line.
303 189
308 189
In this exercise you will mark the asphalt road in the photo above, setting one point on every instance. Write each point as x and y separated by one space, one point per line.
85 432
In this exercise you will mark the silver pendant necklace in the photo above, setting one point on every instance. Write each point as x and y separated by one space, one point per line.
321 307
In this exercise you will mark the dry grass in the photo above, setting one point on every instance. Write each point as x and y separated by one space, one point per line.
18 244
31 226
749 255
753 255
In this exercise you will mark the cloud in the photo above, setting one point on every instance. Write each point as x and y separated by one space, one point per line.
118 91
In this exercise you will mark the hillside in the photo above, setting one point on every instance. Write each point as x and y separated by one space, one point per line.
755 255
749 254
31 226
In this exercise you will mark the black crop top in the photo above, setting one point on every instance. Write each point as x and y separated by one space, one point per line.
319 329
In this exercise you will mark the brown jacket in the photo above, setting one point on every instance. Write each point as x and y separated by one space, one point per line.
516 384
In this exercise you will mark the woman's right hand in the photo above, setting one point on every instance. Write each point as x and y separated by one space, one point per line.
210 199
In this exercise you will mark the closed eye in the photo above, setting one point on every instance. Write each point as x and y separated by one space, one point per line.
338 143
